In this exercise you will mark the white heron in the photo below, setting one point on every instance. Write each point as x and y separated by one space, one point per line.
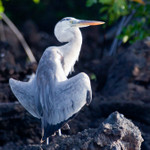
50 96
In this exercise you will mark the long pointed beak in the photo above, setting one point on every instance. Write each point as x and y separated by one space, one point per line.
85 23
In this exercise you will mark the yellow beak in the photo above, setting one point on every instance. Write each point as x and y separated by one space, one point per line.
85 23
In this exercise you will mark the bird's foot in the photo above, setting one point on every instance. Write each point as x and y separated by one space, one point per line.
47 141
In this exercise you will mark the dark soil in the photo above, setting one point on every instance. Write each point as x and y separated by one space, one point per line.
121 82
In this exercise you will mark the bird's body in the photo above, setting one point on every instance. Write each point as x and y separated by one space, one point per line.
55 98
50 95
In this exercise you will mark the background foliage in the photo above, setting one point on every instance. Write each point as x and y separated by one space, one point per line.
111 11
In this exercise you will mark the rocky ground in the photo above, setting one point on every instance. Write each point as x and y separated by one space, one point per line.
120 83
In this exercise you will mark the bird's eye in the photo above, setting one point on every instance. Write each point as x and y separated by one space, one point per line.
71 21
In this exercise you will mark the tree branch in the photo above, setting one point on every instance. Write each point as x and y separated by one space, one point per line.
19 36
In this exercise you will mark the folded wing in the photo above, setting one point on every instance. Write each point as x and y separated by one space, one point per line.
68 98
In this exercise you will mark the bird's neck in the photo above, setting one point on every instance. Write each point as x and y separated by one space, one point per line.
71 51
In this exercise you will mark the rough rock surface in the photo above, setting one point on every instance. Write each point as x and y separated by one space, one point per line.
116 132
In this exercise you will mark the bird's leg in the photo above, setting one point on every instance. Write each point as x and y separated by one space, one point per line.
59 132
47 141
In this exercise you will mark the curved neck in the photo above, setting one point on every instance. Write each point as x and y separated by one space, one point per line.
71 51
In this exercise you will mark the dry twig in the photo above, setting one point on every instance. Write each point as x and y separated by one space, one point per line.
19 36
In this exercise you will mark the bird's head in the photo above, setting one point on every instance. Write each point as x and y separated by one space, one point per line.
68 22
71 24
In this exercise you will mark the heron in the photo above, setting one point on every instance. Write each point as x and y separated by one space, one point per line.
50 95
57 98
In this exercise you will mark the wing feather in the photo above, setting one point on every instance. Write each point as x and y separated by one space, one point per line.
70 97
59 99
24 91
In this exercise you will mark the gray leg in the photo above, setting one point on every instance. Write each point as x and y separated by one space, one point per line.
59 132
47 141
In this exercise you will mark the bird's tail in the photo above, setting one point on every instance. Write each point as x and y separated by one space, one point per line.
24 92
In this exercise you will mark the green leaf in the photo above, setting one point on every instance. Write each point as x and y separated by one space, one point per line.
125 38
103 9
106 1
89 3
36 1
1 7
120 7
113 9
93 77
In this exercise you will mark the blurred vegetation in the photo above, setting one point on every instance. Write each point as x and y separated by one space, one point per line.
1 7
47 12
139 27
112 10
